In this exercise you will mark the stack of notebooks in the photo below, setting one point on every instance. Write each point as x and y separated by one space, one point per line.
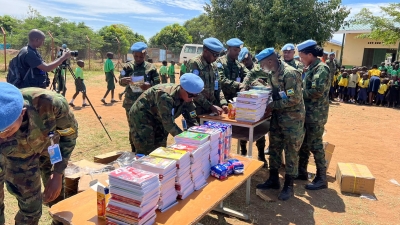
224 140
134 196
198 157
216 143
251 105
166 169
183 181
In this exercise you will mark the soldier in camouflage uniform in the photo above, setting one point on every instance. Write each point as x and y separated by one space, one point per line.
211 98
331 62
316 85
25 123
287 122
288 56
153 114
137 68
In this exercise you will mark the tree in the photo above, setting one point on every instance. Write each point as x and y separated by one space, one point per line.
385 27
199 28
271 23
9 23
172 36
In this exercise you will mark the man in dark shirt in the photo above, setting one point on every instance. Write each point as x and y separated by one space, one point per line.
33 64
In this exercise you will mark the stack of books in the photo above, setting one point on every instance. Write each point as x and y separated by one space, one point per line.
198 157
216 143
183 182
251 105
166 169
134 196
224 140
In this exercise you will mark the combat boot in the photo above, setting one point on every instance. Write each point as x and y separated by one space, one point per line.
243 149
261 157
287 190
303 174
272 182
319 181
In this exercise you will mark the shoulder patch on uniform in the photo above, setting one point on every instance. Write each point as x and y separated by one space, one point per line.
196 72
66 132
193 114
290 92
219 65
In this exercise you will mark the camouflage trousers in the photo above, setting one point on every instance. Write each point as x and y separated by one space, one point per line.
287 133
146 131
313 143
260 143
130 134
164 79
62 88
172 79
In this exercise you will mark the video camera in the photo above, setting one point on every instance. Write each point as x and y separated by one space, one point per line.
66 62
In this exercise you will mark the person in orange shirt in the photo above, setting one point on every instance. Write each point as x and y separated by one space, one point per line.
325 57
374 82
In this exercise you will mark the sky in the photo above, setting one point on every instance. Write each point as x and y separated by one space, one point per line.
146 17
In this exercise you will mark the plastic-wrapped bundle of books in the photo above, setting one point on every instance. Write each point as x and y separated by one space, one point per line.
198 157
166 169
251 105
134 196
224 140
183 182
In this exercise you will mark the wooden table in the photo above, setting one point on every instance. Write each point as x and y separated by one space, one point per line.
81 209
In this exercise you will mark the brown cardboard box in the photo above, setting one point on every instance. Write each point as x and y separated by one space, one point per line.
107 157
329 149
355 178
87 180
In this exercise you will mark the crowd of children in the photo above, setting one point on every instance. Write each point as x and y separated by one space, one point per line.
360 85
168 72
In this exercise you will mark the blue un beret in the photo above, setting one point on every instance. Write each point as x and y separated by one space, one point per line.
244 53
288 47
265 53
191 83
235 42
64 46
139 47
332 53
297 57
326 53
213 44
11 102
306 44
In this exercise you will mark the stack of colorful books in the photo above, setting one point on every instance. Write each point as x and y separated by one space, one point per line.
251 105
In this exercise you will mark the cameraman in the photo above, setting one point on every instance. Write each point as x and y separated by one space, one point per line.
33 67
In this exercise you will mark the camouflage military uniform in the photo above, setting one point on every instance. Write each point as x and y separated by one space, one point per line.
147 70
287 122
316 85
251 79
25 153
212 94
153 114
332 68
231 73
296 64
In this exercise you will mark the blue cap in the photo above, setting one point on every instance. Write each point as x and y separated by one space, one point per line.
265 53
244 53
11 102
297 57
235 42
326 53
332 53
64 46
213 44
139 47
306 44
191 83
288 47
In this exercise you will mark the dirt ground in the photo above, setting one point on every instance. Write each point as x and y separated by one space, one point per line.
362 134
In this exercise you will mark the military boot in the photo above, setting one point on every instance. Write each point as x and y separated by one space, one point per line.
261 156
287 190
243 148
303 174
319 181
272 182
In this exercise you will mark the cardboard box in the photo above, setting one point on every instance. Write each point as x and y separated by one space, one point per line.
355 178
86 181
329 149
107 157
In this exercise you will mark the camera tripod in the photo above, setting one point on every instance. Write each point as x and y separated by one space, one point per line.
67 67
56 80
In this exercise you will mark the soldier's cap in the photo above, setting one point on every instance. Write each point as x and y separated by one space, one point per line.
332 53
213 44
235 42
64 46
11 102
297 57
244 53
191 83
139 47
288 47
265 53
306 44
326 53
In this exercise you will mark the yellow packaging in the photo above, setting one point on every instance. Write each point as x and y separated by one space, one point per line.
103 196
231 111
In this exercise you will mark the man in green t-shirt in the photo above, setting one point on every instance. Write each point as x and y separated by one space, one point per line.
183 68
79 84
164 72
171 72
109 71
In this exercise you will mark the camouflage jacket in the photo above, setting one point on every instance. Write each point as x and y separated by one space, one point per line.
332 67
211 95
163 104
251 79
232 74
46 112
316 85
288 80
296 64
148 70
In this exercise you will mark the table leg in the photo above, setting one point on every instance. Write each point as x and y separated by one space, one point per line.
238 147
221 209
251 136
248 186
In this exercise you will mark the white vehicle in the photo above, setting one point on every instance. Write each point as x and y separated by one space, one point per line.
189 51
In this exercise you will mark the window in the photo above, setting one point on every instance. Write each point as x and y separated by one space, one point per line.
199 50
189 49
